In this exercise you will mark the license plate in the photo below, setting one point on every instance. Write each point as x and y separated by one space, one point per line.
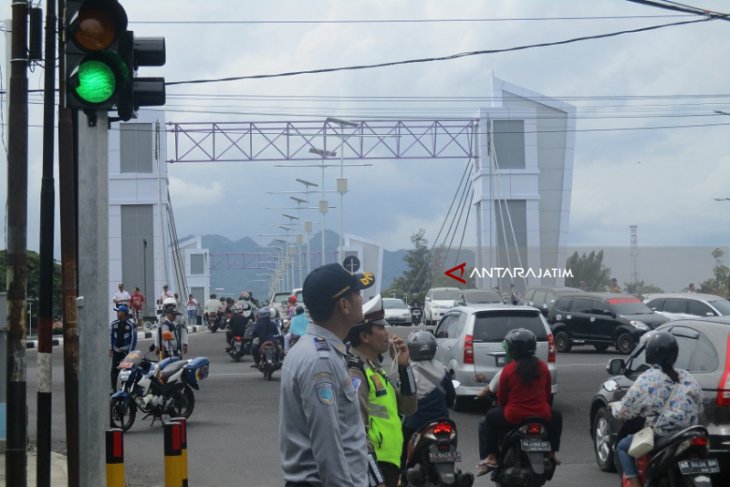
535 445
691 467
444 456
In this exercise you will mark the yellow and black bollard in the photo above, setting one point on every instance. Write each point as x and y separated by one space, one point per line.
184 449
115 458
173 454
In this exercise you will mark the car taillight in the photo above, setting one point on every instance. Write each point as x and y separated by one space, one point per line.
443 429
551 348
723 388
469 349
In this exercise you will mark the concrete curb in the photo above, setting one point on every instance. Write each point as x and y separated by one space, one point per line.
141 335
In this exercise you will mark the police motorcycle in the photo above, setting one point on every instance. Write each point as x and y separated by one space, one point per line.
156 388
432 454
213 321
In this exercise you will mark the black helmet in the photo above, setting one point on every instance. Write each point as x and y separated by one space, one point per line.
299 310
661 349
521 343
421 346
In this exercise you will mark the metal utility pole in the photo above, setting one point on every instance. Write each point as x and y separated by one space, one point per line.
67 203
16 257
45 294
93 268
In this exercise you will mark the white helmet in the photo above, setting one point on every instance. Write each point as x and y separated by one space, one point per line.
169 305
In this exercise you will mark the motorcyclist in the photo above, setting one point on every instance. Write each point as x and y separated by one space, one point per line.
523 392
179 344
650 396
264 330
297 328
239 318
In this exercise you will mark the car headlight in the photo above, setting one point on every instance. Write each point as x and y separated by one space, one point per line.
639 325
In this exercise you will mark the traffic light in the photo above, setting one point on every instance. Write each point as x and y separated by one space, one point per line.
95 69
102 58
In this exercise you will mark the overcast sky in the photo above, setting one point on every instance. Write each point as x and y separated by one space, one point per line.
626 169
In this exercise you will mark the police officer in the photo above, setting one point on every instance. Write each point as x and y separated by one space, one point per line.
322 442
381 400
179 345
123 339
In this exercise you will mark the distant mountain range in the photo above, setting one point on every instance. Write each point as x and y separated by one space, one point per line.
231 276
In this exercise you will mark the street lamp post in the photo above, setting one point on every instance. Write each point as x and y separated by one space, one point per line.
323 202
342 182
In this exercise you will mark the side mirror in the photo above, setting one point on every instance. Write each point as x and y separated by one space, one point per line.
152 347
616 366
609 313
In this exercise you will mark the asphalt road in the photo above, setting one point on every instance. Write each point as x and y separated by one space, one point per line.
233 433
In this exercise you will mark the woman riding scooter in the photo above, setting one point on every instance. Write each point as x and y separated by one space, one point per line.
670 399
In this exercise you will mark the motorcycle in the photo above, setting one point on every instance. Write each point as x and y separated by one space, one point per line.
679 460
213 321
270 357
416 316
155 388
524 456
432 455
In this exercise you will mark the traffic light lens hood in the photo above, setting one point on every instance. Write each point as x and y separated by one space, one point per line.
97 25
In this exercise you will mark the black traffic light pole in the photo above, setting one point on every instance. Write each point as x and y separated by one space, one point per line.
45 294
16 258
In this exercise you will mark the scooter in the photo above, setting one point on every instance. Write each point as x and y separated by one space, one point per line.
270 353
155 388
416 316
432 455
214 321
679 460
524 457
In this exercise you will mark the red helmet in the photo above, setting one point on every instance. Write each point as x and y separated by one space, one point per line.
293 299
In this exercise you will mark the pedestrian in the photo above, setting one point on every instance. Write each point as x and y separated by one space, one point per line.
123 334
121 296
192 308
177 344
691 288
165 294
137 305
321 439
382 402
613 286
514 296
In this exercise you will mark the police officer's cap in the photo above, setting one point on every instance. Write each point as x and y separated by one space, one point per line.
374 314
325 284
122 307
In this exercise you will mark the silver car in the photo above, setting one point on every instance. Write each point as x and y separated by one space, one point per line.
688 305
470 341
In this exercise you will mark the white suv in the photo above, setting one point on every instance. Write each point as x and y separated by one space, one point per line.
438 301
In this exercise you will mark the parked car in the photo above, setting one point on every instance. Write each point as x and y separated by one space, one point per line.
601 320
544 297
396 311
704 351
468 297
688 305
438 301
470 339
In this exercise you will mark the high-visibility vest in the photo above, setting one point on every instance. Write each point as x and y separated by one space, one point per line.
385 432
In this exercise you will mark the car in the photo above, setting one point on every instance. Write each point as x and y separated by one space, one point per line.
601 320
470 339
438 301
688 305
467 297
544 297
704 351
396 311
277 299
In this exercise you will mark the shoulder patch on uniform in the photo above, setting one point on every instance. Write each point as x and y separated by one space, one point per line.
356 383
321 344
325 393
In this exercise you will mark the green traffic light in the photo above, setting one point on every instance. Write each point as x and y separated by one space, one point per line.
96 82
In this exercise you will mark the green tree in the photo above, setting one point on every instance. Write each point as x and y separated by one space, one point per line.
588 268
34 270
640 288
719 283
416 280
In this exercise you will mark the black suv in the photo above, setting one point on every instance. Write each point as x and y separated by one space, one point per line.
704 351
544 297
601 320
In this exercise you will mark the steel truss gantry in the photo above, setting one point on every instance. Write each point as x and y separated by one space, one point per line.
289 141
